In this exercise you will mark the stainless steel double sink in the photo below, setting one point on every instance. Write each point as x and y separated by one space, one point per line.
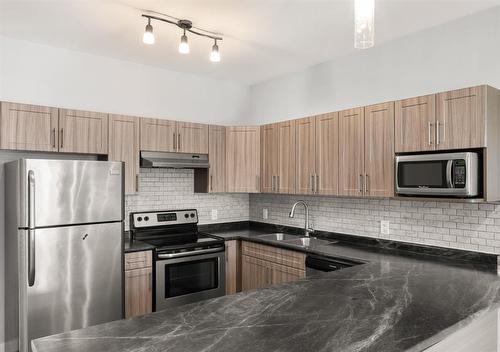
287 238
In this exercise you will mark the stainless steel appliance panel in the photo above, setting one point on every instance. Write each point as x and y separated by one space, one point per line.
70 192
163 302
77 279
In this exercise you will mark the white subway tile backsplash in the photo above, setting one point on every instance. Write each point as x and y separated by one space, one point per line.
469 226
164 189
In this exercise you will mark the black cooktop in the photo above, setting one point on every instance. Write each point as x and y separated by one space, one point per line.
183 241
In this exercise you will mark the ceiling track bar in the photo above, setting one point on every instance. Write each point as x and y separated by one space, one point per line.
182 24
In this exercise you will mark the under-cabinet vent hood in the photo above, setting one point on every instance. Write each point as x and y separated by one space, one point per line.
174 160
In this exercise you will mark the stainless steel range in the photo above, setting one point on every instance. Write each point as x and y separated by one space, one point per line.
189 265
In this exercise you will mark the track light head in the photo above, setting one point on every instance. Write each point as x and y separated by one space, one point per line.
184 45
215 54
148 37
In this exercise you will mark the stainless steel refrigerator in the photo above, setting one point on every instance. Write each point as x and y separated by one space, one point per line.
63 244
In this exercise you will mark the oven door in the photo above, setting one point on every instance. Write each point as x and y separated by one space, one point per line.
189 279
446 174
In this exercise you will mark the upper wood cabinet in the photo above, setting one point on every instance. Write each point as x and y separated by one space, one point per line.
83 132
278 157
28 127
124 146
243 159
460 118
158 135
444 121
414 124
379 150
306 155
352 151
192 138
217 159
317 154
367 151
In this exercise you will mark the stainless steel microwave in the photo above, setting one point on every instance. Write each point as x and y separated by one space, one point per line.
445 174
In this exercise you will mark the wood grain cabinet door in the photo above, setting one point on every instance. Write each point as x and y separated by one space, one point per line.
460 120
327 154
217 159
138 292
83 132
124 146
243 159
192 138
158 135
255 273
379 150
351 152
415 121
306 155
233 267
285 180
28 127
269 135
282 273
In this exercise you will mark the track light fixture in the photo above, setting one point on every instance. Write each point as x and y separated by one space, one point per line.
186 26
149 37
215 54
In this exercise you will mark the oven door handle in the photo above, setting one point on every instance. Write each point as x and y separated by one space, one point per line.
449 176
187 254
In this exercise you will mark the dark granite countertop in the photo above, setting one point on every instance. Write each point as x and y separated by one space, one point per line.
399 300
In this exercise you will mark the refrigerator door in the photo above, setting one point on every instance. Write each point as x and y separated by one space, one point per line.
78 280
70 192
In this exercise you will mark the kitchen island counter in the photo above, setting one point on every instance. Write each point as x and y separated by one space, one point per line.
392 303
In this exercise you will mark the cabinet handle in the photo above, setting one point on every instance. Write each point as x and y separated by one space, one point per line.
366 183
317 183
361 183
437 132
312 183
175 141
277 183
429 127
137 182
62 136
53 137
211 183
150 280
272 183
179 141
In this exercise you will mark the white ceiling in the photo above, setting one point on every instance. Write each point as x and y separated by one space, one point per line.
262 38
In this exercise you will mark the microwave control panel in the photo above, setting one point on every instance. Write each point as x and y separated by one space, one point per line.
459 178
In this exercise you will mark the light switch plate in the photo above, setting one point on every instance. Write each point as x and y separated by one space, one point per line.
265 214
215 215
384 227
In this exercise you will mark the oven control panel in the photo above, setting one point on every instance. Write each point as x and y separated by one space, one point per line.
163 218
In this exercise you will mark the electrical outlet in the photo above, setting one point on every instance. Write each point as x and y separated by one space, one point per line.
384 227
214 214
265 214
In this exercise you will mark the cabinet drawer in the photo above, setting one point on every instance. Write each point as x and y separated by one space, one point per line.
137 260
276 255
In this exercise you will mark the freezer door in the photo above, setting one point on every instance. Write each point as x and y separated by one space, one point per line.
71 192
78 280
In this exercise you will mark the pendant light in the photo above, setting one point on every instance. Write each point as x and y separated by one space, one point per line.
215 54
364 24
148 37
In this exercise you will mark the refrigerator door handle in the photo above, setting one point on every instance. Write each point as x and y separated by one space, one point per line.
31 228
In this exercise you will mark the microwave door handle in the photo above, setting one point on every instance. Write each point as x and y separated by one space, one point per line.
449 176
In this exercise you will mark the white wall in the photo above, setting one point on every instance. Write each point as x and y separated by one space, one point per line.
462 53
39 74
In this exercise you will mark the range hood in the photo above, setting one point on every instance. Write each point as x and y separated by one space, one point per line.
174 160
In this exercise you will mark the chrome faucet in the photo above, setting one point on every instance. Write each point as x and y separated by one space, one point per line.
307 229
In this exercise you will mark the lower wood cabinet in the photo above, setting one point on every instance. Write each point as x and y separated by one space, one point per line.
138 283
233 267
263 265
